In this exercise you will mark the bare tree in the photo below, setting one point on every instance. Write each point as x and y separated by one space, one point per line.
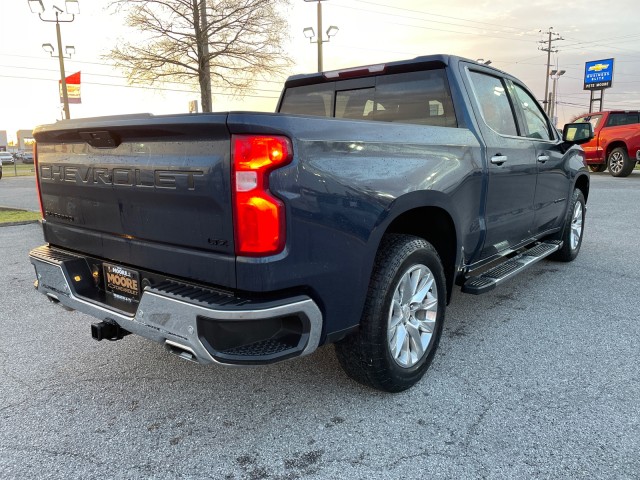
224 42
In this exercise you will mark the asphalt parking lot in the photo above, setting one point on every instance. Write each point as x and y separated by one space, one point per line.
537 379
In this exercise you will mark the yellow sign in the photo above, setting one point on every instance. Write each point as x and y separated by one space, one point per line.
598 67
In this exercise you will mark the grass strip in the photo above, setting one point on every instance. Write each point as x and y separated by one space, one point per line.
14 216
17 170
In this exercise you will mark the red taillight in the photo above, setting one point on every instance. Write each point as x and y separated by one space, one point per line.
35 167
259 217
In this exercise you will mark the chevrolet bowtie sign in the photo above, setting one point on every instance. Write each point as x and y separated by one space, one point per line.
598 74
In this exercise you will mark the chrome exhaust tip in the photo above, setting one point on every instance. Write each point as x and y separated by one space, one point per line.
180 351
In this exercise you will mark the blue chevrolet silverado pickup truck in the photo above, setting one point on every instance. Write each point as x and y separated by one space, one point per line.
347 217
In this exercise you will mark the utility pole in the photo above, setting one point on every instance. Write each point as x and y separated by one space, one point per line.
553 37
72 8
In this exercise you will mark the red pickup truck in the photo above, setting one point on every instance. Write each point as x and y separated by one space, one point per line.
616 143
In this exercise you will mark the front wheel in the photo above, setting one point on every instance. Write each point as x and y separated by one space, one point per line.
573 229
620 165
402 320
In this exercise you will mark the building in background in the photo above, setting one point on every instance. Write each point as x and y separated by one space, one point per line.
25 139
4 143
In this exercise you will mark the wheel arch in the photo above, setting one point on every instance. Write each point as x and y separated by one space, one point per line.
435 223
615 144
582 183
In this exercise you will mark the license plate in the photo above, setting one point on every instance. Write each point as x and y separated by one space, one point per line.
122 282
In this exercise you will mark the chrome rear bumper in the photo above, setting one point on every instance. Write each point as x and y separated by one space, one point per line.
191 321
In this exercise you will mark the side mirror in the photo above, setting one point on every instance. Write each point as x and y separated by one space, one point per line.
577 133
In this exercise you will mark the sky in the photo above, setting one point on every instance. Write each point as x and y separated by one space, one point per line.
370 32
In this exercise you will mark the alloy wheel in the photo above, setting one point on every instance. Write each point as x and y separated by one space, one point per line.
412 316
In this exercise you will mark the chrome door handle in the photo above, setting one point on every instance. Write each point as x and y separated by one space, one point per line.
498 159
543 158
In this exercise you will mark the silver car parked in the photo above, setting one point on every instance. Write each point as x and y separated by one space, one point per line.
6 158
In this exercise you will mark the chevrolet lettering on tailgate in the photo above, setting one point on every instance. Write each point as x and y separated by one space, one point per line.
120 176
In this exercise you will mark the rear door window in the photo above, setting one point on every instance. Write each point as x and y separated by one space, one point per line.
493 100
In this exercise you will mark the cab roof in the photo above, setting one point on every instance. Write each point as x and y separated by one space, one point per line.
418 63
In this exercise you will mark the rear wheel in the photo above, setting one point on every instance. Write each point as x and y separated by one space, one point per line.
620 165
402 320
598 167
573 229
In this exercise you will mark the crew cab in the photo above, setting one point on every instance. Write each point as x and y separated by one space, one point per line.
346 217
616 142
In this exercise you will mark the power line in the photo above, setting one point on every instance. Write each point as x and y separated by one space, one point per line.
146 88
428 14
624 38
581 105
432 21
629 38
280 82
608 93
120 77
353 47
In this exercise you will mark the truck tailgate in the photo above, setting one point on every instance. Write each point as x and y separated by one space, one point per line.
150 192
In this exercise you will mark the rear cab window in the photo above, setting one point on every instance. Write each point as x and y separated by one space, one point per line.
618 119
420 98
316 100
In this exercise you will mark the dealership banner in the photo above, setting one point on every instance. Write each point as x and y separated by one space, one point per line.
73 88
598 74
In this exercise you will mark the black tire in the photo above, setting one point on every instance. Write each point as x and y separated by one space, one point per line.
620 165
573 229
597 167
366 356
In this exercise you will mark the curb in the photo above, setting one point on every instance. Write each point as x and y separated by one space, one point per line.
14 224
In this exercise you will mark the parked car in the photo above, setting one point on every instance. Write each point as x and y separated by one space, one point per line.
6 158
616 144
27 157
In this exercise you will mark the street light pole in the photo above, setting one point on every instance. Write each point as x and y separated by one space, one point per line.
320 35
555 75
309 33
37 6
